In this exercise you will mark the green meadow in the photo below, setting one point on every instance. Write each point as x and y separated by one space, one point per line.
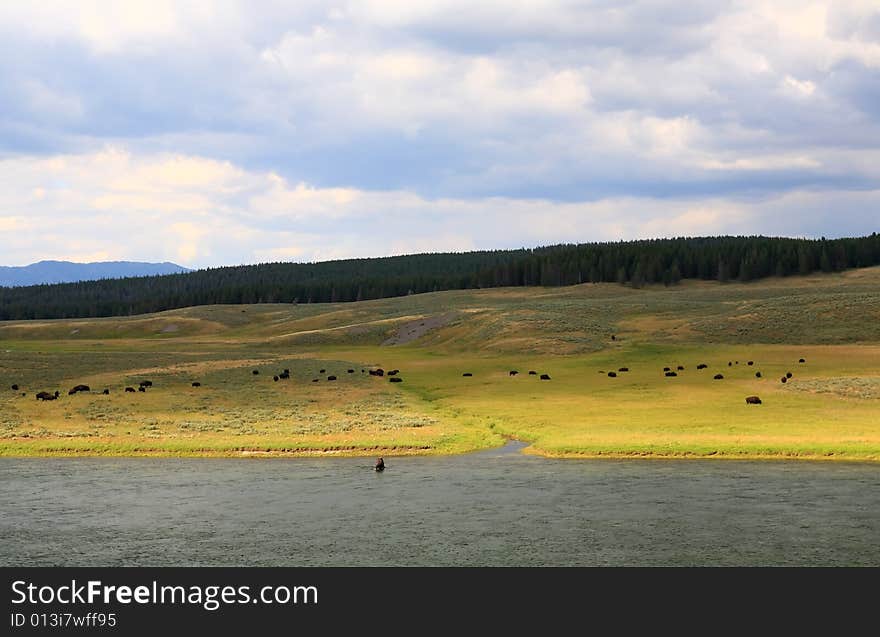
829 409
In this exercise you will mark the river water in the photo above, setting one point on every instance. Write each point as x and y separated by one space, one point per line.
497 508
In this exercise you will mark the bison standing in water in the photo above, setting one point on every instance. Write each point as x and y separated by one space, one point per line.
380 465
753 400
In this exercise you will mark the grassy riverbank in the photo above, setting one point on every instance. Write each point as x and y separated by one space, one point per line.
830 409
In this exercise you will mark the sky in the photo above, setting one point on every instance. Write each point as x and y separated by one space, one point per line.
221 133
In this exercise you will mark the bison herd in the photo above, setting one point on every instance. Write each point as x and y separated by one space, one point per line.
393 376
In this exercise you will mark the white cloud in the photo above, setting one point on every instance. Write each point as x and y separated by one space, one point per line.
115 204
306 130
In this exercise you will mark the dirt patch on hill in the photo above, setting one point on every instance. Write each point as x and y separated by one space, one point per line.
412 330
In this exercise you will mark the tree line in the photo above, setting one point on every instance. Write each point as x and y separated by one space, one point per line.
635 263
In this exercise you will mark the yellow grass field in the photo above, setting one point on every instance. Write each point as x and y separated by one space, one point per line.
830 409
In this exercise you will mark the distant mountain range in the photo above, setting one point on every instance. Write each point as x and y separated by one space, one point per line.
68 272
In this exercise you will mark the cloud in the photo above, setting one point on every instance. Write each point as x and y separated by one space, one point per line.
385 124
201 212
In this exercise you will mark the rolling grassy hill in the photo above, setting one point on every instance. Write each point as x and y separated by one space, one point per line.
829 409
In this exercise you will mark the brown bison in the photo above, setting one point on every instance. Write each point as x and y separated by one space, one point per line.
275 378
532 372
106 392
801 360
396 379
681 368
702 366
315 380
256 372
322 371
757 374
15 388
331 378
196 384
753 400
44 395
784 380
129 389
77 389
351 371
751 362
613 337
718 377
142 389
284 375
467 374
394 372
612 374
545 376
788 374
512 372
623 369
666 369
146 383
670 374
380 465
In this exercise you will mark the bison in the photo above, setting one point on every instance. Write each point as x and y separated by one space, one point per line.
784 380
256 372
512 372
146 383
15 388
394 372
197 384
467 374
315 380
351 371
322 371
623 369
680 368
275 378
331 378
396 379
730 363
77 389
702 366
788 374
613 337
666 369
129 389
612 374
532 372
142 388
757 374
718 377
545 376
801 360
44 395
380 465
284 375
106 392
753 400
670 374
751 363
